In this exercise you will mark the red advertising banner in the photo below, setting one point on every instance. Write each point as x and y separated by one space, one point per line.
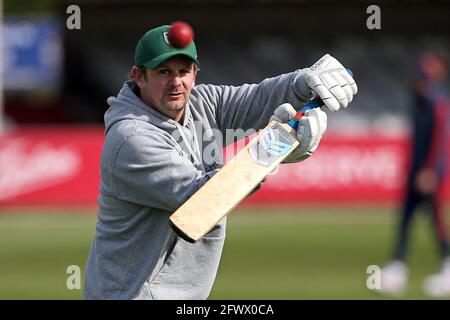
60 166
50 166
343 169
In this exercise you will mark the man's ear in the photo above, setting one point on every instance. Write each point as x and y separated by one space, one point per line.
138 76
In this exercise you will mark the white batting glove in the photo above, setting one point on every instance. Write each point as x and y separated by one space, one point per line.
311 128
329 80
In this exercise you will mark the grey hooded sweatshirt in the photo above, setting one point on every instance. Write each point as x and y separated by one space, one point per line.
150 165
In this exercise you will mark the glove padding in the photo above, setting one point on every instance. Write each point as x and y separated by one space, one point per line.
311 128
329 80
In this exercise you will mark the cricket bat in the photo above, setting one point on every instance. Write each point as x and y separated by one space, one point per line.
237 179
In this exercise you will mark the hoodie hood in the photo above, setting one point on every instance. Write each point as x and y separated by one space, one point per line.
128 106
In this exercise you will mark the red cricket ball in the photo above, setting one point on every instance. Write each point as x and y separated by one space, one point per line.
180 34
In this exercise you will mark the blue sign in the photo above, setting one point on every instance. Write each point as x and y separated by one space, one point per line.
32 54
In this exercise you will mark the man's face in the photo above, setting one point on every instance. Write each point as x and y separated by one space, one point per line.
167 87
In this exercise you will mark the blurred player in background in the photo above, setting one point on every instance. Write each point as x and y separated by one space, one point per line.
426 176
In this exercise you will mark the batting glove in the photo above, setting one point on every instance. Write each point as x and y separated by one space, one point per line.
329 80
311 128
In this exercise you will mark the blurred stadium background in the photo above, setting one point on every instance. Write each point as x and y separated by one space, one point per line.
313 229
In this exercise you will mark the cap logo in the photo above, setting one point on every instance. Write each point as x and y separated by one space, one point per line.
166 39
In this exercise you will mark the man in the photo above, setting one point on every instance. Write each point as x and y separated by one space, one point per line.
426 176
158 129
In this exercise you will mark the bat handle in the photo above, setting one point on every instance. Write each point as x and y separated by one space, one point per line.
314 103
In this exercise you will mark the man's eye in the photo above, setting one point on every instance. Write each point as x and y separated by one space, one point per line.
164 71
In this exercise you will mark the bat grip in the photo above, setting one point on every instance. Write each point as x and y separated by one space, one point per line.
314 103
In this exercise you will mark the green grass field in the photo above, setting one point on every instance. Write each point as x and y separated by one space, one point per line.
308 254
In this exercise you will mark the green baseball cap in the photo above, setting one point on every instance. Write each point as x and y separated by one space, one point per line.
153 48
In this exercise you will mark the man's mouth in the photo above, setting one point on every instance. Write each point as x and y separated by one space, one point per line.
175 94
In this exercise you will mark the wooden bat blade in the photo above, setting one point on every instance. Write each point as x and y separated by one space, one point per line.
227 188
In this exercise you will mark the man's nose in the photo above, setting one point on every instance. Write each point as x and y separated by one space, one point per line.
175 80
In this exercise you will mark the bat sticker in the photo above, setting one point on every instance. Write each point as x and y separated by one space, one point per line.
273 143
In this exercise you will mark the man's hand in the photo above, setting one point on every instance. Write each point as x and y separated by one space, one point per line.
329 80
427 181
311 128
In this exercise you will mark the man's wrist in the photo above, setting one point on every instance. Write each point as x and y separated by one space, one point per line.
300 85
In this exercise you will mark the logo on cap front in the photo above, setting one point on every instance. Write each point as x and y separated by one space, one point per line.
166 39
